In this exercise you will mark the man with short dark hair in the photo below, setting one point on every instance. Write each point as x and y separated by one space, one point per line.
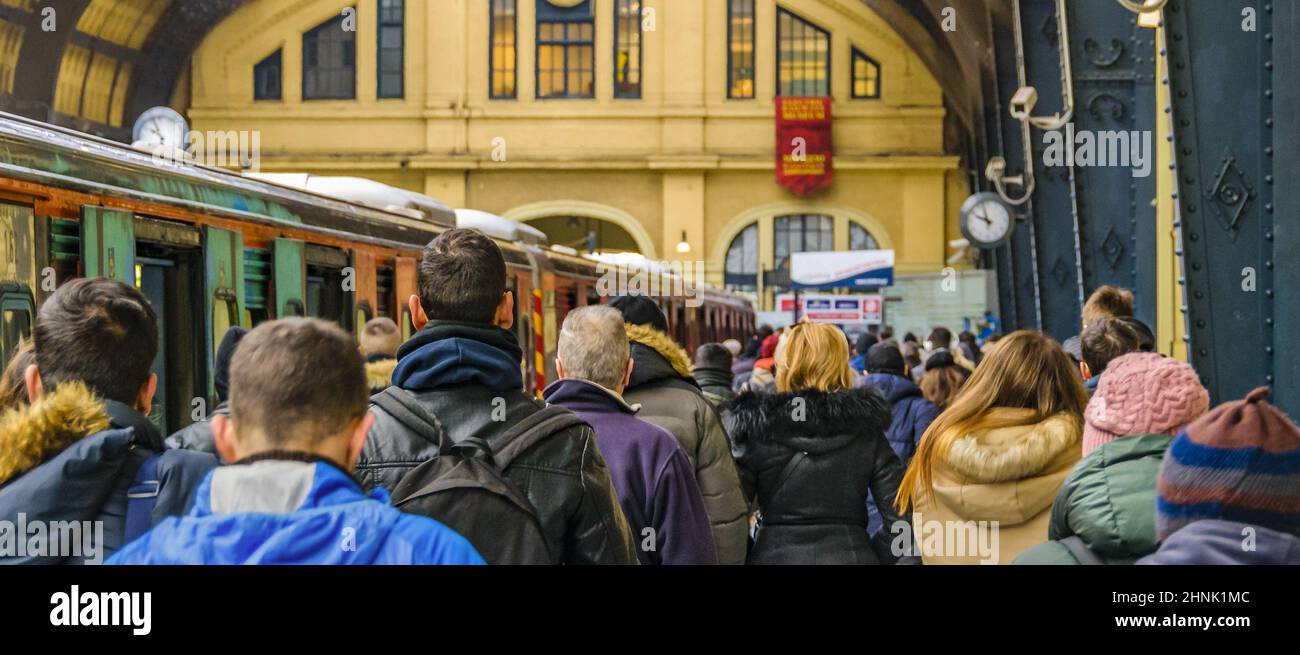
463 367
654 479
1104 340
713 372
74 453
911 413
293 433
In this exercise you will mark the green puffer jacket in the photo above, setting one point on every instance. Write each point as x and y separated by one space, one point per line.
1109 501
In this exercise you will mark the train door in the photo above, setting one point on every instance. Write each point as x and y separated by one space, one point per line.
330 286
108 243
290 278
224 285
168 267
17 276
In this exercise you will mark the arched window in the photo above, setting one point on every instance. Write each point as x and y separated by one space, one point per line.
803 57
627 49
801 233
329 62
391 45
566 50
266 78
861 239
741 272
866 76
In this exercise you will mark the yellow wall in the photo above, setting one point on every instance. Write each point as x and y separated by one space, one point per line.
681 158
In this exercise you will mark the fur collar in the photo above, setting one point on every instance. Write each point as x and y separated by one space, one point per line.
1013 453
807 420
56 420
662 344
379 373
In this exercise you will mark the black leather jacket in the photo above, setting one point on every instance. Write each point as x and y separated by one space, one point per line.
814 511
564 476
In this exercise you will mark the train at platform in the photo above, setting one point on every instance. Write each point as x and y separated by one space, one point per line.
212 249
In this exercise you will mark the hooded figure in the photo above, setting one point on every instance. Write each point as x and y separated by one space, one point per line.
669 397
198 435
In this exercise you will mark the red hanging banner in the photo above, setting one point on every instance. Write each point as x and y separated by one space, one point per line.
803 144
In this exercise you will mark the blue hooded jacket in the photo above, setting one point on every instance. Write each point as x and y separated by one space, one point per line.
294 512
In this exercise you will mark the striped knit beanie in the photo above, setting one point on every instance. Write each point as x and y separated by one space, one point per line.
1240 462
1143 393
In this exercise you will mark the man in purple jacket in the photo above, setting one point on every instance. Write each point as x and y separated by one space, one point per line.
653 478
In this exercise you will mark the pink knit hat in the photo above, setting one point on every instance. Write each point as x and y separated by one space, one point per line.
1143 393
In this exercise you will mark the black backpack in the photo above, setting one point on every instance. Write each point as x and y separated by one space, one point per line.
465 487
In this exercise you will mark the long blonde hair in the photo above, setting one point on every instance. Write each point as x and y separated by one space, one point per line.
813 356
1027 370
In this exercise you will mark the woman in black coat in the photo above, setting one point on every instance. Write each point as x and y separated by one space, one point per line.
808 455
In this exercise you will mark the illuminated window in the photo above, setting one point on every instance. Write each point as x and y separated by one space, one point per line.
740 49
803 57
391 47
266 78
329 62
866 76
504 37
627 49
566 51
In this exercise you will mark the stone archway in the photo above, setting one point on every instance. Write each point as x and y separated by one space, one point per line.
621 231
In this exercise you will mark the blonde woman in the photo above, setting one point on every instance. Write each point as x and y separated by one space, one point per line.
983 479
809 453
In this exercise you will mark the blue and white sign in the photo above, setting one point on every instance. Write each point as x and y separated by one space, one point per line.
839 270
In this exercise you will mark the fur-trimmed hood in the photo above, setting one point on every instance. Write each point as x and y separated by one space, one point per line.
1009 474
662 344
813 421
30 435
379 374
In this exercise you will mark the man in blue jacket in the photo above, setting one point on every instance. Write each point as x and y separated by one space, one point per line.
298 419
911 413
653 477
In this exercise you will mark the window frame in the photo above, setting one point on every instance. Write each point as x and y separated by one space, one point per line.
640 50
400 24
854 56
311 33
782 12
566 45
493 5
278 55
731 54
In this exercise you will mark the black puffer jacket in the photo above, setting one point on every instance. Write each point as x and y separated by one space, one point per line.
563 476
814 511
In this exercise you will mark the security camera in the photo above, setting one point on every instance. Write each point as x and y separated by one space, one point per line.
1022 103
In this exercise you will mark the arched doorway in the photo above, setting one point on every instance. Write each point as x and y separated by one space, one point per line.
587 226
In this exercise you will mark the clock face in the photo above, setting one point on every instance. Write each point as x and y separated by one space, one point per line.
986 221
161 126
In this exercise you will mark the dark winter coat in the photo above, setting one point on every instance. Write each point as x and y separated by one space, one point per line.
910 415
715 383
661 383
72 457
814 510
654 479
469 377
198 435
1109 502
1215 541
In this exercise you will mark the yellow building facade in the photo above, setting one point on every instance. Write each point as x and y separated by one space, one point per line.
683 159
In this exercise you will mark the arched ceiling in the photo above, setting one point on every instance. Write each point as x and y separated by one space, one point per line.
131 54
121 56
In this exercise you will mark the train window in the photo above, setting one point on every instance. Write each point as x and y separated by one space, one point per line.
385 290
294 308
593 296
325 295
17 307
363 315
408 326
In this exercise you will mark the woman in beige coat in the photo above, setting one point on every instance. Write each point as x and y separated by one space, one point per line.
984 477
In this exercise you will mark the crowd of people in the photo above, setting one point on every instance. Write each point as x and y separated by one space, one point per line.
798 446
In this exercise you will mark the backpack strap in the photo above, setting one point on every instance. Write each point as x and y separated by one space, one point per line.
523 435
141 497
787 471
1074 543
405 409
